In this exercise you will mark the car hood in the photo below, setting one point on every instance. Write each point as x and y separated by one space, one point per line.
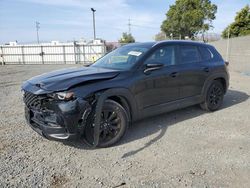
66 78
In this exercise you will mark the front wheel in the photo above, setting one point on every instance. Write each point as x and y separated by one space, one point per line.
113 125
214 97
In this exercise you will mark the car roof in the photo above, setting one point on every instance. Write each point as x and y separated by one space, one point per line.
151 44
181 42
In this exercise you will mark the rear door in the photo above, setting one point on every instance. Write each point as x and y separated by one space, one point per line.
192 70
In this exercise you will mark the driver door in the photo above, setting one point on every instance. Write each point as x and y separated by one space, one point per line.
160 86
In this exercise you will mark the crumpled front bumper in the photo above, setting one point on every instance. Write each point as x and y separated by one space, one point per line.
59 120
51 118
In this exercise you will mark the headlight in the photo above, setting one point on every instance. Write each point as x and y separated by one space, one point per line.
62 95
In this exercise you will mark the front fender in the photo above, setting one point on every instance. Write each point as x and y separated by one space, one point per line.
101 96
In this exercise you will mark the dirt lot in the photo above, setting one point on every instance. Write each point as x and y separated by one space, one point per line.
184 148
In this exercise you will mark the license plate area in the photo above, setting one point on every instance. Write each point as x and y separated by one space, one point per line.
27 114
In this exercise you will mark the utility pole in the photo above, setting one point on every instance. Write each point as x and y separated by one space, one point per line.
37 34
228 43
129 26
93 11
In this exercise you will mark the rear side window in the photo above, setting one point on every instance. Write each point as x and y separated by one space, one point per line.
206 54
189 54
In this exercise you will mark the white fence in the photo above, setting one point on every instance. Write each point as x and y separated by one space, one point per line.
67 53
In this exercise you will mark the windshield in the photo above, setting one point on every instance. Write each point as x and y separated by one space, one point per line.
122 58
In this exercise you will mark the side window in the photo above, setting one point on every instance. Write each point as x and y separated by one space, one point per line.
164 55
189 54
206 54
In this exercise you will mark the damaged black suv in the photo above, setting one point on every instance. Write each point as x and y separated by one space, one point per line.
97 103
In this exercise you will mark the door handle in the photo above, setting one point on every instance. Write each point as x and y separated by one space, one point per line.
206 69
174 74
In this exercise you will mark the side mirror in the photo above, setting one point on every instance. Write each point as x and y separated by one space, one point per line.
152 66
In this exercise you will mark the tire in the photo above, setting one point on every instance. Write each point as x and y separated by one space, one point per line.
114 124
214 97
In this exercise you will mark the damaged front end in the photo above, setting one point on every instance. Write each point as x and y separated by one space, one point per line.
65 119
64 115
56 119
57 109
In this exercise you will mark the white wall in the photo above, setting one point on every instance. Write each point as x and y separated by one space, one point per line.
239 52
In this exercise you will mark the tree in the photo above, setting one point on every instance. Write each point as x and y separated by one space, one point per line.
241 24
189 18
127 38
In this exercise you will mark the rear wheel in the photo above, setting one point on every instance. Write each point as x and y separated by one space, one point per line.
113 125
214 97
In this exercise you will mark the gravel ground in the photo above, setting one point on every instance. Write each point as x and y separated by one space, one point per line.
184 148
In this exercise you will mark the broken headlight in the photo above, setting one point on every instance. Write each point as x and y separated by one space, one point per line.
63 96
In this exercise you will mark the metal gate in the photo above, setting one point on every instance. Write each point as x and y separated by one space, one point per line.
72 53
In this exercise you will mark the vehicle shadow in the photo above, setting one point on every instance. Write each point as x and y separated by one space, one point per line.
159 124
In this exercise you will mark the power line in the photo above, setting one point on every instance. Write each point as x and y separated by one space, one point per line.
136 25
144 26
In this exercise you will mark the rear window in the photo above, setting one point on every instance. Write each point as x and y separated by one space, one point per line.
189 54
206 54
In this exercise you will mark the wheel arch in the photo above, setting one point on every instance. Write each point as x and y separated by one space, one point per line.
124 103
223 81
121 94
222 77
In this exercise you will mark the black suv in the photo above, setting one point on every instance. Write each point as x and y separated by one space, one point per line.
97 103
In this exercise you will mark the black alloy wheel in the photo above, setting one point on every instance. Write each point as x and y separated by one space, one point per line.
113 125
214 97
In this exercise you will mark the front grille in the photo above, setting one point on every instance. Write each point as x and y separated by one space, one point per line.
32 101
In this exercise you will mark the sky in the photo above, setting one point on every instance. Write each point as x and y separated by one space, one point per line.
68 20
